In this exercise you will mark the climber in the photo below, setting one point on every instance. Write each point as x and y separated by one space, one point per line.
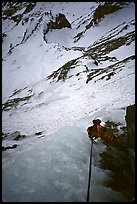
97 130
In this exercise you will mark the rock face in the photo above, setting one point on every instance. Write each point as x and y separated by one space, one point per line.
59 23
130 119
9 147
119 158
11 137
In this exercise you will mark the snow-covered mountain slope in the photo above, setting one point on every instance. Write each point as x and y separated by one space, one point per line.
29 60
63 64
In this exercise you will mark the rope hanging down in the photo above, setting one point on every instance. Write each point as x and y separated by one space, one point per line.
90 164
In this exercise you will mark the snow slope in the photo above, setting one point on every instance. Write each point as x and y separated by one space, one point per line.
35 98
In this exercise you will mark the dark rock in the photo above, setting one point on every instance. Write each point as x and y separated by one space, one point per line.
38 133
130 120
119 157
9 147
19 137
96 63
13 103
61 73
59 23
